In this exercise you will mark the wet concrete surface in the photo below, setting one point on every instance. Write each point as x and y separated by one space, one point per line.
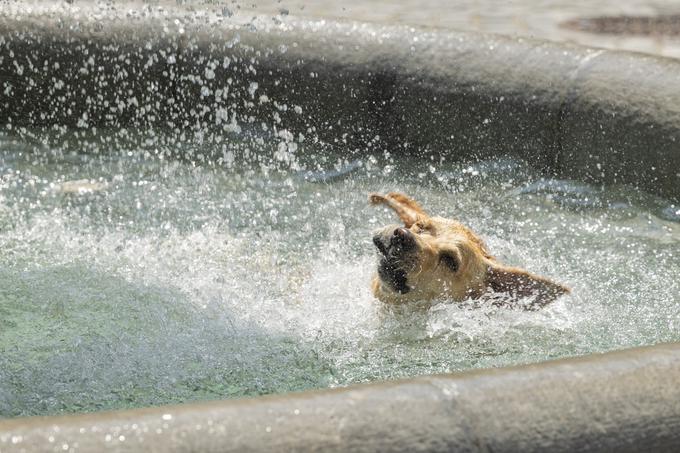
649 26
544 19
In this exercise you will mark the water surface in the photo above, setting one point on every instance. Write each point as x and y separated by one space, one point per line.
154 280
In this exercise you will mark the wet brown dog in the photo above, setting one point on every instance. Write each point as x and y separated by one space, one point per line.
436 258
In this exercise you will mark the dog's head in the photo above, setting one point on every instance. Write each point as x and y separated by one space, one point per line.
432 257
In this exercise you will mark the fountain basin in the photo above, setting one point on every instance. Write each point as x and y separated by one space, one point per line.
586 114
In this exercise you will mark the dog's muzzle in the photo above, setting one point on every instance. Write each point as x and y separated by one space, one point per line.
394 246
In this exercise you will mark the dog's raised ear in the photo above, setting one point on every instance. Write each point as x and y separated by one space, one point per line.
406 208
520 283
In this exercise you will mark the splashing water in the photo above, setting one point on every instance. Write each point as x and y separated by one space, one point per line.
131 279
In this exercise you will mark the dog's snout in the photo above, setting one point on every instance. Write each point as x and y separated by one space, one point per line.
393 241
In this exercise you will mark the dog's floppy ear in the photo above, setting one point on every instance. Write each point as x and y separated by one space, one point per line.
406 208
520 283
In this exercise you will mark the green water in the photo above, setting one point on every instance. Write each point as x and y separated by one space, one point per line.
233 275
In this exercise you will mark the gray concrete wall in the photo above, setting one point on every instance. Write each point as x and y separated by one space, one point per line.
579 112
623 401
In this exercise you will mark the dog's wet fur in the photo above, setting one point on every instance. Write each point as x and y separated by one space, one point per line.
432 258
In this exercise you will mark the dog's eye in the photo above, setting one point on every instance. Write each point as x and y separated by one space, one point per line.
450 260
421 228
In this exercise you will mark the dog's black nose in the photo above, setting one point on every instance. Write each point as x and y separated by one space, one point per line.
401 232
402 238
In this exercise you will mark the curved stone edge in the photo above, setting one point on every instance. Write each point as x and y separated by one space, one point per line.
619 401
591 114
